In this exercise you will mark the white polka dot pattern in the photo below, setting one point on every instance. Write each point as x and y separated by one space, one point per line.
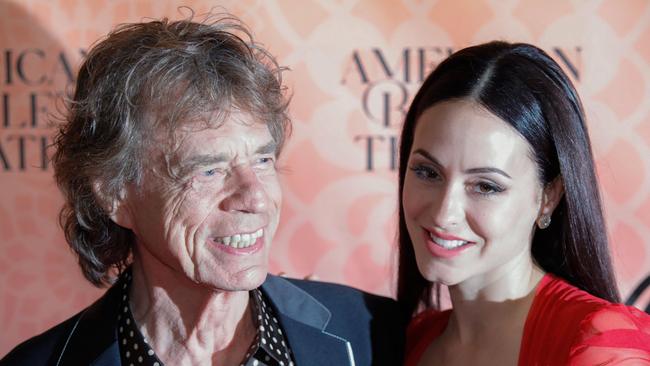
134 349
269 348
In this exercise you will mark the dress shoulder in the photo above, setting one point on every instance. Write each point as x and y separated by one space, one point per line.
569 326
614 334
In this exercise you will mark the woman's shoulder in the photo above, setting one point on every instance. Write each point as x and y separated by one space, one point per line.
610 335
589 329
554 289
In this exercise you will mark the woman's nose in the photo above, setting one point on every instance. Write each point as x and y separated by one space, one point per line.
447 207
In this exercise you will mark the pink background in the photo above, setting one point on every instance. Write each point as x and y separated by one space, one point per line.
338 218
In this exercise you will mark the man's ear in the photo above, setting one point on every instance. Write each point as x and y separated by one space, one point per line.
551 196
116 207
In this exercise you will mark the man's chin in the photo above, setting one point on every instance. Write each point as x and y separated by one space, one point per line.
241 281
253 280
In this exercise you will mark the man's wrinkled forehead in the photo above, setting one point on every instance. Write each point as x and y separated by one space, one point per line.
169 132
207 138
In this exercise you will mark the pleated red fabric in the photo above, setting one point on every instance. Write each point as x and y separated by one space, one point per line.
564 326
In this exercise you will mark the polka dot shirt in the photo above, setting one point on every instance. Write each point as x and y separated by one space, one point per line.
269 348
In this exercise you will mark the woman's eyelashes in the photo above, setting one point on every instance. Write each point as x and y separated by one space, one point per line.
482 187
425 172
487 188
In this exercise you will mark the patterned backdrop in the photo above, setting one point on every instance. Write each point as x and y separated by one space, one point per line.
355 65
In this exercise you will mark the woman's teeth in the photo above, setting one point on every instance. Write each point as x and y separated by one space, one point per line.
240 240
447 244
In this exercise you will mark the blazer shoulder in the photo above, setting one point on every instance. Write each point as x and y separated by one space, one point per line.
374 325
86 333
41 349
334 295
349 305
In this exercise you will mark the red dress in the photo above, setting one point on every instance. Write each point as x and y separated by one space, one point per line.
565 326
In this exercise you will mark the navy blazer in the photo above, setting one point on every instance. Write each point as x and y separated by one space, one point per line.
325 324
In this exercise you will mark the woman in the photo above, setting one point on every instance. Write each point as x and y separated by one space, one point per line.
499 202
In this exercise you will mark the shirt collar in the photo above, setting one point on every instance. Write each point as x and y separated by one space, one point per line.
269 347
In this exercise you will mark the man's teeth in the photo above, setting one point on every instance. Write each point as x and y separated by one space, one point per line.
240 240
447 244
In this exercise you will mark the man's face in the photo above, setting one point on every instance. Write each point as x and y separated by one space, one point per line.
208 207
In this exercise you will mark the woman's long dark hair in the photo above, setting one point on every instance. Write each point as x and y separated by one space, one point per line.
523 86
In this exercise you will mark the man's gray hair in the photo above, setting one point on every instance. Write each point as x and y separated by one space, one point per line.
146 77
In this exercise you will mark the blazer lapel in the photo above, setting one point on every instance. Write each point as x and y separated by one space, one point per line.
93 340
312 346
305 320
110 357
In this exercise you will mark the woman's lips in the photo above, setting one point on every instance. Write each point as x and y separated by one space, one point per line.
443 245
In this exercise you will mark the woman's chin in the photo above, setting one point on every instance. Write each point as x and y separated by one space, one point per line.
445 279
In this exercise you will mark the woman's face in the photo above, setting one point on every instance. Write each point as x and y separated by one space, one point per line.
471 195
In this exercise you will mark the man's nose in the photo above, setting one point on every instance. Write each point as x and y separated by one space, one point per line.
247 193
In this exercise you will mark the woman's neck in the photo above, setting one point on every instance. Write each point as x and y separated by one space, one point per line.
494 302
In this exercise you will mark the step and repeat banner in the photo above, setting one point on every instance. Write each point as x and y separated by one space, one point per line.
354 67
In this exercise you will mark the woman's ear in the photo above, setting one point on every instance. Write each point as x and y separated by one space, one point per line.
116 207
553 193
551 196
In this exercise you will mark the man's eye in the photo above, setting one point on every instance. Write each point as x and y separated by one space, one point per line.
209 173
266 160
425 172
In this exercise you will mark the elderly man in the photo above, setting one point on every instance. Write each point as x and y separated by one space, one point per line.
168 166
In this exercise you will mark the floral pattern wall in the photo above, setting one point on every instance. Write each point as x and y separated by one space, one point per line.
354 66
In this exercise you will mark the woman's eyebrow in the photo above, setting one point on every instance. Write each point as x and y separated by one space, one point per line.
487 170
426 155
478 170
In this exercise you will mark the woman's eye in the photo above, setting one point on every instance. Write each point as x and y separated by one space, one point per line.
487 188
425 172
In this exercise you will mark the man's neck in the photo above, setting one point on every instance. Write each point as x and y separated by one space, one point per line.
188 323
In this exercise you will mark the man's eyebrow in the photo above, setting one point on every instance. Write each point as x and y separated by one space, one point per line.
269 148
479 170
205 159
196 161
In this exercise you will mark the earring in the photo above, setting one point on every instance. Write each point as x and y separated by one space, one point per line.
544 221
